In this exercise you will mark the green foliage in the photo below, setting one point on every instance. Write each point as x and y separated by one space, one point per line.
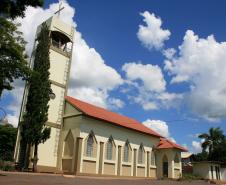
219 152
15 8
212 139
13 62
214 146
7 142
190 177
203 156
33 127
39 90
7 165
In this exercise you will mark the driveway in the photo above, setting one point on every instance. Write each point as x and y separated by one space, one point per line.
14 178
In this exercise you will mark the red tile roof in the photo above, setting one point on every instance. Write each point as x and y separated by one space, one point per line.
109 116
165 143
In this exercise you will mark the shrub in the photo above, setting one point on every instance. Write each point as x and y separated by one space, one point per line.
190 177
7 165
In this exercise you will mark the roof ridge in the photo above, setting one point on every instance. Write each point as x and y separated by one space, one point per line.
171 143
110 116
104 109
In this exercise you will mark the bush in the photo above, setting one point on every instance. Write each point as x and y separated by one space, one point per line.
7 165
7 142
190 177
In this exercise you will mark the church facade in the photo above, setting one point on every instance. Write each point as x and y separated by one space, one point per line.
86 139
97 141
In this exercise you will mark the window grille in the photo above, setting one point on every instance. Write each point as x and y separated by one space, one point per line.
126 153
153 158
89 149
141 155
109 149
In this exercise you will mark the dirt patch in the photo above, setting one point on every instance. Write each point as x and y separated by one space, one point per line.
10 178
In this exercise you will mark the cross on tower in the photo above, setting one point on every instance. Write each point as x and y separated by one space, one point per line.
60 9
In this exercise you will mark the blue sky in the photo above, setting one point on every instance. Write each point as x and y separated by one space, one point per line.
111 29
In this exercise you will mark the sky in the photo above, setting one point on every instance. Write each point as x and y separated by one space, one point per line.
160 62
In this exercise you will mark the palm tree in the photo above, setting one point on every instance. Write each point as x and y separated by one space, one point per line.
212 139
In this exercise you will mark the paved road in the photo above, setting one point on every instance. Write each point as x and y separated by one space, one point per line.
49 179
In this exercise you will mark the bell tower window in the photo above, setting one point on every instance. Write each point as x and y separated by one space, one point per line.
61 43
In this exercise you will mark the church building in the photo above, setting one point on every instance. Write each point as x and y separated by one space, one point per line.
86 139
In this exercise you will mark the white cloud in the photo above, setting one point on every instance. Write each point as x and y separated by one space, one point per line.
93 96
150 75
12 119
152 34
201 63
115 103
97 97
91 78
149 106
13 108
148 80
159 126
196 147
169 53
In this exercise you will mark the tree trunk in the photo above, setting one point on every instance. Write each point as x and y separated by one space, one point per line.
27 158
22 153
35 159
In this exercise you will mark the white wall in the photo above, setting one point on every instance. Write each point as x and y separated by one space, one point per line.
103 130
223 173
203 169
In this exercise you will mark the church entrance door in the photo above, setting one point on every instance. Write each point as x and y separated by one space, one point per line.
165 166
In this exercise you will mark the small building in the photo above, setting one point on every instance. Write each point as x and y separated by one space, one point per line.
223 171
208 170
186 159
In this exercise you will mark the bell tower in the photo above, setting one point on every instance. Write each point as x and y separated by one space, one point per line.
61 36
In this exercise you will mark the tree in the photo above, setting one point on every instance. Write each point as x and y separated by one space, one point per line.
15 8
203 156
7 142
13 62
214 146
219 153
212 139
34 131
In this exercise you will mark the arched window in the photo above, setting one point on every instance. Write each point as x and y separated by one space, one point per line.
109 149
126 152
69 145
153 158
141 154
176 160
89 146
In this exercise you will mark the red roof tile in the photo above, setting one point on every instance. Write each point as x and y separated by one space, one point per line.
165 143
109 116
